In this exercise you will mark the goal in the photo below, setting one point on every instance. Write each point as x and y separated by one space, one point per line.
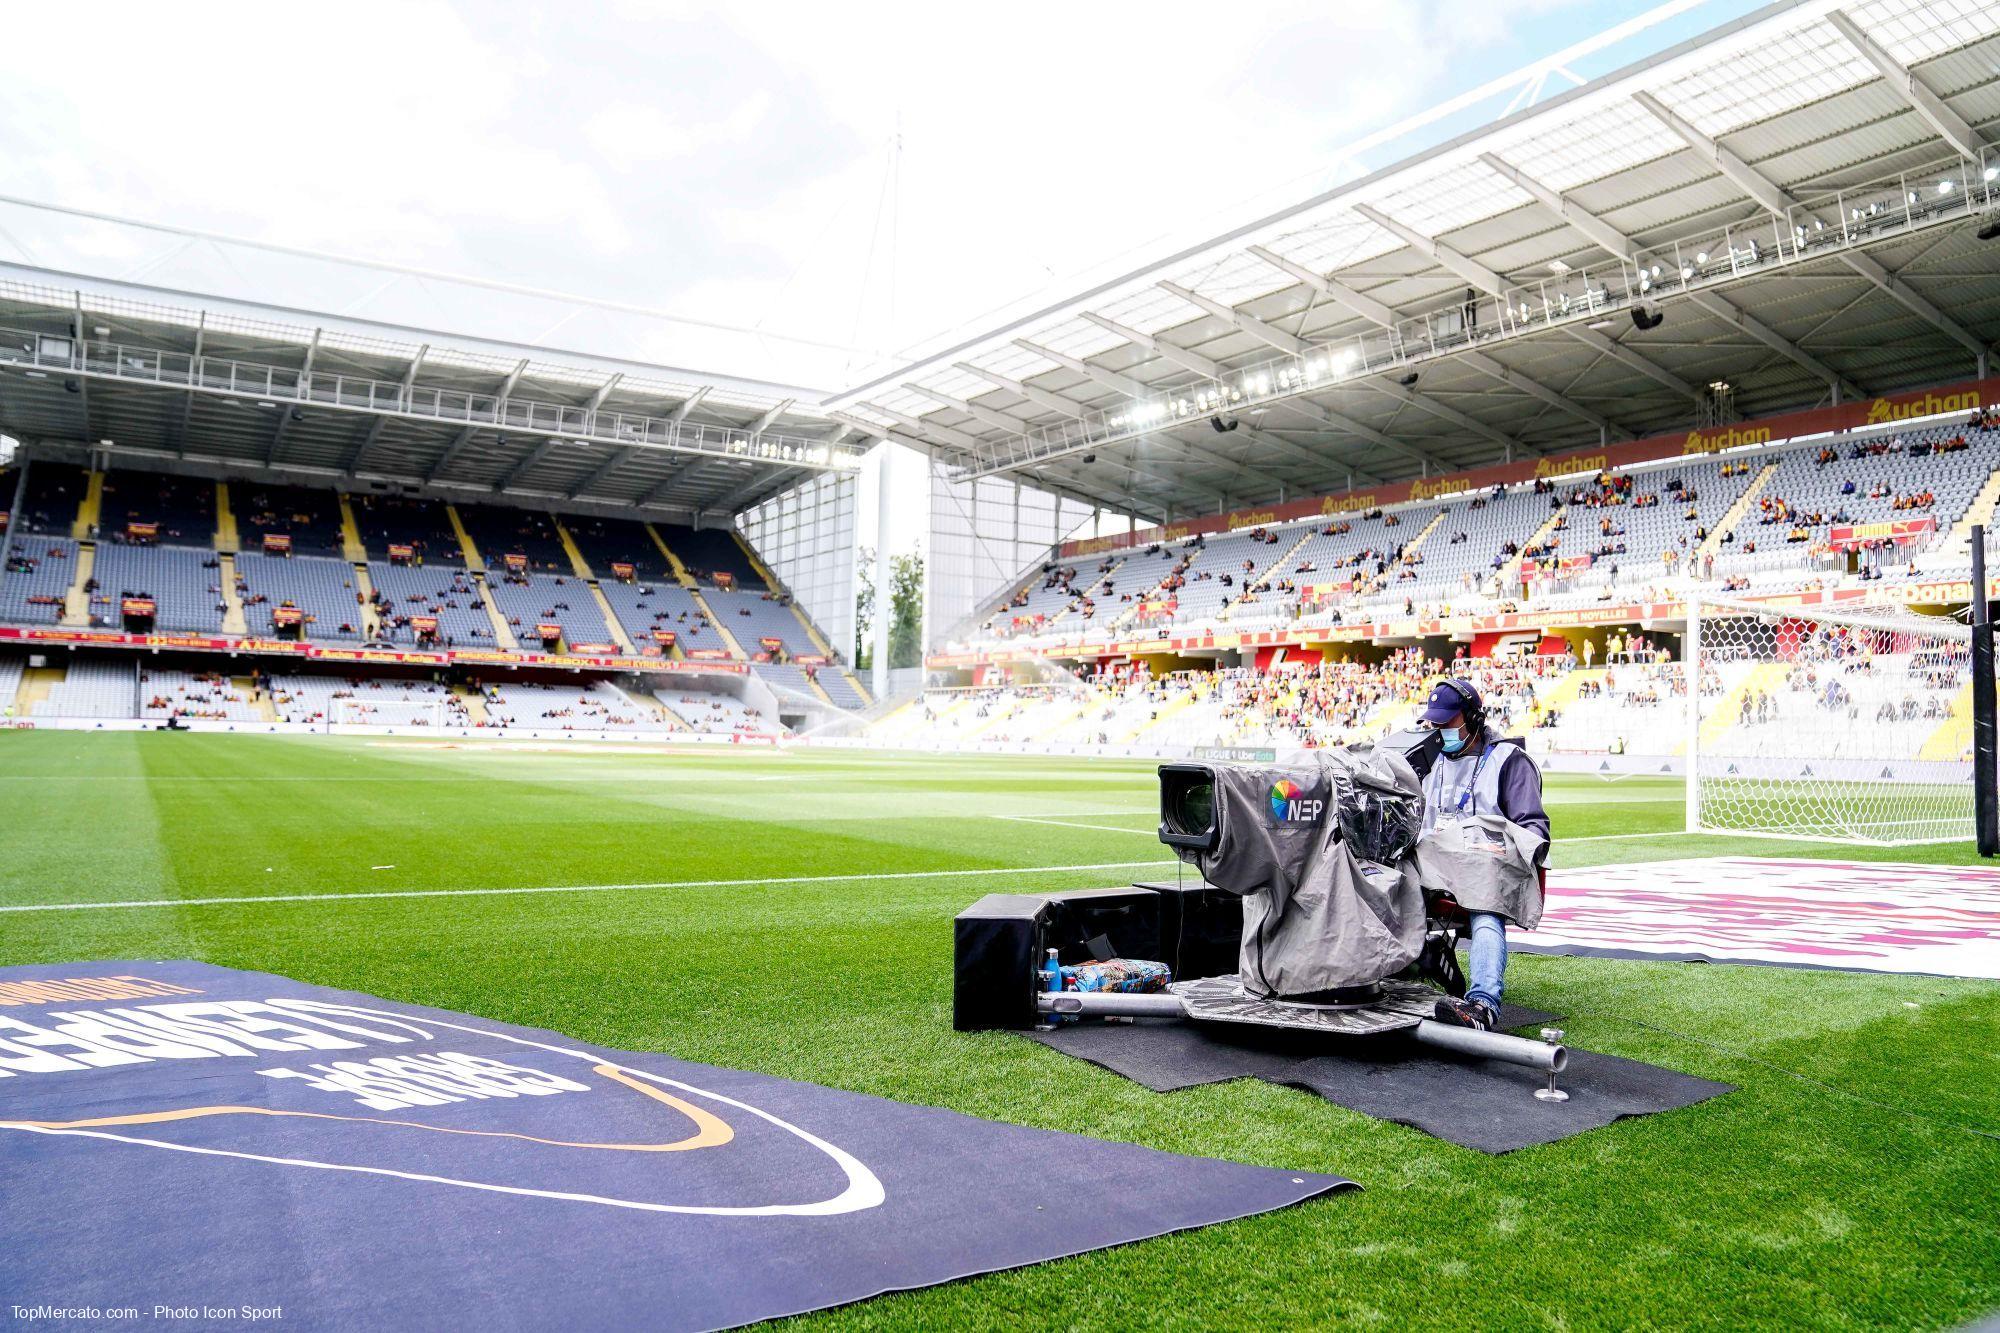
1849 725
385 708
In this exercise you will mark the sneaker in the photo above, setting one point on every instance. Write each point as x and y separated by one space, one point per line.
1475 1014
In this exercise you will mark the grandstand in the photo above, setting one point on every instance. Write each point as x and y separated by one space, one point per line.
503 650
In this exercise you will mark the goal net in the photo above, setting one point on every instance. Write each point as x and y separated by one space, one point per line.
387 709
1851 725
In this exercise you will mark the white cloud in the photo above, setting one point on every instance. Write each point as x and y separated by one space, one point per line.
729 161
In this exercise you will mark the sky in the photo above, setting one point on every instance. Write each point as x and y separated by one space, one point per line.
844 181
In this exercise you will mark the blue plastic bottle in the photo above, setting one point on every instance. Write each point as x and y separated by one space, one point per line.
1052 978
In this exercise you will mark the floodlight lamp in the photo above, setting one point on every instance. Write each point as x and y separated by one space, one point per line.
1701 257
1991 173
1687 271
1944 187
1911 198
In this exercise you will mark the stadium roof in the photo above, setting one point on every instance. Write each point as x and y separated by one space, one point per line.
181 376
1797 193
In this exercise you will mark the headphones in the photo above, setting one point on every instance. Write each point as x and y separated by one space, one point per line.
1473 708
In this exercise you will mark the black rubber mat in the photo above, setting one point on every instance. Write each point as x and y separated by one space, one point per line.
1484 1104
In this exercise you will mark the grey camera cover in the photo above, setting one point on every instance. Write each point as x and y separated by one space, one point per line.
1316 915
1486 863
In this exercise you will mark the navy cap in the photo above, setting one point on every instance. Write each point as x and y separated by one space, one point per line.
1448 700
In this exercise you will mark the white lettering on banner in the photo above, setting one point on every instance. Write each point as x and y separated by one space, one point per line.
94 1039
395 1083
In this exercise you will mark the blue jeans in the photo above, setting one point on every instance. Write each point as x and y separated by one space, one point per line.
1489 958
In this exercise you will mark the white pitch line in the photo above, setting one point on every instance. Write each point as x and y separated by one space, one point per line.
574 888
1626 837
1070 823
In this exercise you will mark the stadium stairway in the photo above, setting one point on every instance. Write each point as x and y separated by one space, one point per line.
728 636
656 701
87 513
1979 512
225 523
473 701
503 633
1510 573
76 602
673 561
1416 543
1953 736
470 550
35 685
1736 513
259 700
645 705
576 561
1174 706
611 623
233 619
351 546
1765 677
371 619
1564 694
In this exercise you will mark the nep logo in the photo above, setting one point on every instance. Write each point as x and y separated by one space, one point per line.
1293 804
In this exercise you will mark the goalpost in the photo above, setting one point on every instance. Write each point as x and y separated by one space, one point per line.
1842 725
425 713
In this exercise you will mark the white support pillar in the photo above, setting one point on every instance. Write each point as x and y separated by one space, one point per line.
883 567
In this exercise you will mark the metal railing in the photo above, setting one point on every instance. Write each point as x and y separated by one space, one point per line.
1913 201
282 388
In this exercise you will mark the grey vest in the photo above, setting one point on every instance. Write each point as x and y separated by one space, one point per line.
1449 779
1477 855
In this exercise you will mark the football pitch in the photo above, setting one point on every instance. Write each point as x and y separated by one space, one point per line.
790 913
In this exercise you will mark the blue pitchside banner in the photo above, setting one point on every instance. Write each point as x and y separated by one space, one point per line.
191 1142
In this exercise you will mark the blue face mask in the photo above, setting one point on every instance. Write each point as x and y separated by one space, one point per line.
1454 738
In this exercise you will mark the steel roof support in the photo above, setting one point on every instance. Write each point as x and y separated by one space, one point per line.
288 414
450 454
1449 413
1042 398
526 465
1334 290
194 372
1110 379
360 450
1620 247
1166 351
1373 310
1332 420
1779 201
603 470
1259 329
1948 124
82 381
1013 425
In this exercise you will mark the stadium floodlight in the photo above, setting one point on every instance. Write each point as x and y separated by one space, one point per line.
1991 173
1687 271
1944 187
1701 256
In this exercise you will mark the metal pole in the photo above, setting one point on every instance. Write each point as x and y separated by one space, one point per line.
1691 670
1985 752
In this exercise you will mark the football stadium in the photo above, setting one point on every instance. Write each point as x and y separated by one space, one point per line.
1416 751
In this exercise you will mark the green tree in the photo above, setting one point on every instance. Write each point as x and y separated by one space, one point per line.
864 609
906 611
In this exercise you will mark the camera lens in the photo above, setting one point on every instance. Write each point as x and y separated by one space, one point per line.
1191 806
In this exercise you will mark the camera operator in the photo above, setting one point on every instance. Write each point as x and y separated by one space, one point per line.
1481 774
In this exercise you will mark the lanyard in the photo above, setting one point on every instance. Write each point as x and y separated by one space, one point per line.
1473 785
